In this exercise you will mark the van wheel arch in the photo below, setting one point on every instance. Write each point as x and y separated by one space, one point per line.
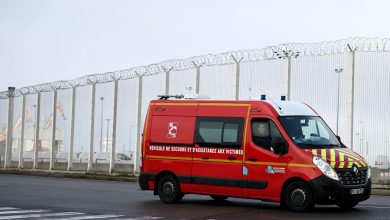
158 177
293 179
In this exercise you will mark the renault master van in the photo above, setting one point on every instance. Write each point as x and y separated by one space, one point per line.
278 151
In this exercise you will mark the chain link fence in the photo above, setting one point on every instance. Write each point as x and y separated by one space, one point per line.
94 123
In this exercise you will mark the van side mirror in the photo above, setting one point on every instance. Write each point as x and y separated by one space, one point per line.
279 145
339 139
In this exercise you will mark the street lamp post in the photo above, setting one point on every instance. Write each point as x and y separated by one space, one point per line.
101 125
361 137
35 123
338 71
108 128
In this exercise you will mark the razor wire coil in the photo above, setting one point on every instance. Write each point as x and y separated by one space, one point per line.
359 44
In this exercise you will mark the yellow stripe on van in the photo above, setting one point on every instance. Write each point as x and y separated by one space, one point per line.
168 157
357 155
352 154
323 154
314 152
361 163
350 164
341 156
332 157
354 158
282 164
189 158
224 104
231 161
301 165
357 163
217 160
245 130
145 131
176 104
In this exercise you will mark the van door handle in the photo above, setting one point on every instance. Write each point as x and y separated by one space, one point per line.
160 108
205 158
253 159
231 157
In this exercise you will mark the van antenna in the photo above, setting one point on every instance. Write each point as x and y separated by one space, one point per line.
273 102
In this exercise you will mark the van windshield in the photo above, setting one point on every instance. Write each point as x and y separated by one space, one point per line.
309 132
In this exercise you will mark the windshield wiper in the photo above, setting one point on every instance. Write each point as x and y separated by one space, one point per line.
308 145
333 145
318 145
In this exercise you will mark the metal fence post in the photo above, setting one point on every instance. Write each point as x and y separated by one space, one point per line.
37 141
287 76
237 93
71 144
197 77
137 161
53 133
288 93
114 117
350 98
167 72
21 149
8 149
92 131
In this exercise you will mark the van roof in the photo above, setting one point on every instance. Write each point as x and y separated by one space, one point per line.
282 108
285 108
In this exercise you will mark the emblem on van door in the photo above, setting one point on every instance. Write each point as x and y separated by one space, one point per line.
273 170
270 170
172 129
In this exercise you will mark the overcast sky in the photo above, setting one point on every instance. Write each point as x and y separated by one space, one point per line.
44 41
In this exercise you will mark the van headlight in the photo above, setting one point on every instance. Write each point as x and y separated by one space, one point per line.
368 173
325 168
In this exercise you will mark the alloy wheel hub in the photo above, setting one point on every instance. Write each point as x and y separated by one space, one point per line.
298 197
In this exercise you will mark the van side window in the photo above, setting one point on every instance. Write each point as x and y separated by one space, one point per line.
264 133
219 132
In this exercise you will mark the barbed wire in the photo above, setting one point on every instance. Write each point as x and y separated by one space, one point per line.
360 44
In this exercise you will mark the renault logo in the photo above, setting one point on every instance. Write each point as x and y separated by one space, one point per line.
356 171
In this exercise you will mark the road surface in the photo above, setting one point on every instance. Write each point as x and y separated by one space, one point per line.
32 197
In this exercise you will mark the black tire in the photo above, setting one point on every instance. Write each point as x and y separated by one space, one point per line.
346 205
298 197
168 189
219 198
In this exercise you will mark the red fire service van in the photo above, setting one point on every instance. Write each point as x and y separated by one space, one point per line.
279 151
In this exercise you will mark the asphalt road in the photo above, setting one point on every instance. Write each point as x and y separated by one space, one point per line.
33 197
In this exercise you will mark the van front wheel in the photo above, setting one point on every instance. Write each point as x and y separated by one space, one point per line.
169 189
298 197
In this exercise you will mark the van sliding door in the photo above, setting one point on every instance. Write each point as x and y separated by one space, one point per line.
218 155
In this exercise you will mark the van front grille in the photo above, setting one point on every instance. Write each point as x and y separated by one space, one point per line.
349 178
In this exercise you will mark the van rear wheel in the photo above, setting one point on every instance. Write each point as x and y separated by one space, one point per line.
169 189
219 198
298 197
